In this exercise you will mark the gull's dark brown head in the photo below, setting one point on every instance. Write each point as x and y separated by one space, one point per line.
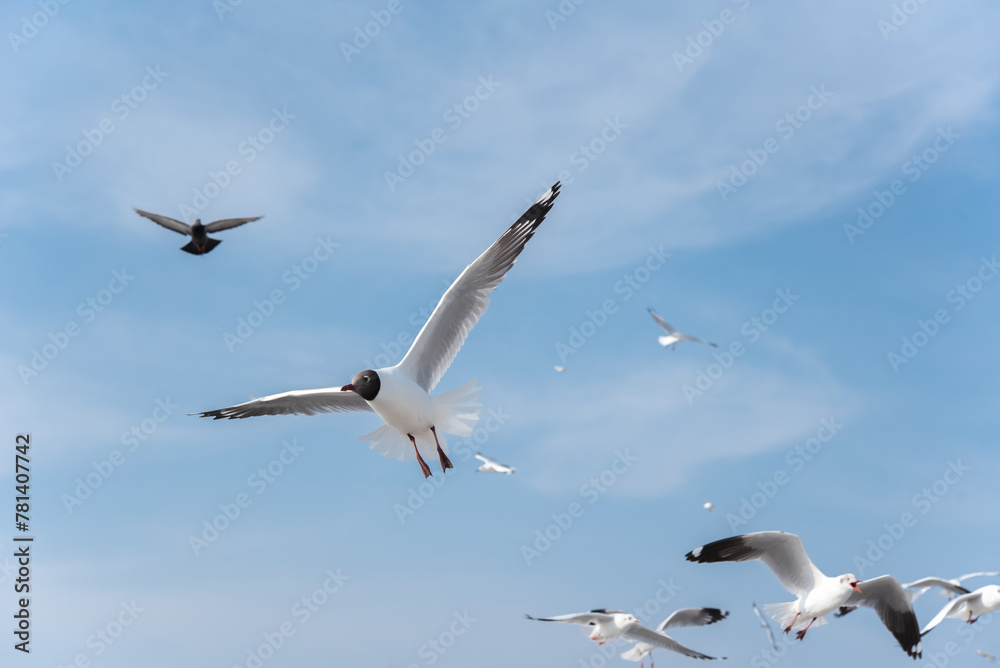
366 384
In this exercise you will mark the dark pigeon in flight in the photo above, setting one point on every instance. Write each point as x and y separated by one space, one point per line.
200 242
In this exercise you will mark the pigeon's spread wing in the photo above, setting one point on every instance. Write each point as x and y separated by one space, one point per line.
692 617
892 603
228 223
640 633
466 300
661 322
297 402
169 223
782 552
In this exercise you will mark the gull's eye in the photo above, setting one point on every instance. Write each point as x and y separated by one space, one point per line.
367 379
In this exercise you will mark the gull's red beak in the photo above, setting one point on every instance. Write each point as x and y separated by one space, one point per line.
855 585
348 388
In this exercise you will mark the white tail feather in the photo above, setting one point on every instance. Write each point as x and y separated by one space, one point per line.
637 653
390 443
455 412
784 613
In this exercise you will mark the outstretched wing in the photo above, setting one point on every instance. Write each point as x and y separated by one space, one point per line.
640 633
923 584
169 223
582 618
661 322
688 337
782 552
466 300
296 402
892 603
227 223
692 617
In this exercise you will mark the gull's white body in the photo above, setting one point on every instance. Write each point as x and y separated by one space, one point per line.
968 607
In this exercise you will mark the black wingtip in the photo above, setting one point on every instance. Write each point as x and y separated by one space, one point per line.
727 549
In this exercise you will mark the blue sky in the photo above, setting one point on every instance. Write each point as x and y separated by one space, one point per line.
714 155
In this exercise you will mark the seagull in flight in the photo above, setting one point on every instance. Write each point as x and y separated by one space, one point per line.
200 243
673 336
604 625
400 394
949 587
765 625
818 594
968 607
682 617
493 466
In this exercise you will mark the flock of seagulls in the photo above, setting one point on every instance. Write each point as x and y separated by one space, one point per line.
415 424
817 595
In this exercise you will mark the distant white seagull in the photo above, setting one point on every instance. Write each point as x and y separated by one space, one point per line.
560 369
400 394
817 593
968 607
682 617
493 466
603 625
949 587
709 506
673 336
200 243
765 625
987 656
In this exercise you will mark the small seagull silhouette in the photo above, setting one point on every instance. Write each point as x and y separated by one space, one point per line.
200 243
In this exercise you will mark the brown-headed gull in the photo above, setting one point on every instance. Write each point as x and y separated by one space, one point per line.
493 466
818 594
968 607
673 336
949 587
400 394
682 617
604 624
200 243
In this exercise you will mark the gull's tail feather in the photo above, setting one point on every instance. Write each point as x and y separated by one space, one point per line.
457 412
784 613
636 653
390 443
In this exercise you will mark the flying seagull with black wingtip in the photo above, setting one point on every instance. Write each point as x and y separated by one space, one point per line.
950 587
400 395
200 242
673 336
818 594
678 618
604 624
